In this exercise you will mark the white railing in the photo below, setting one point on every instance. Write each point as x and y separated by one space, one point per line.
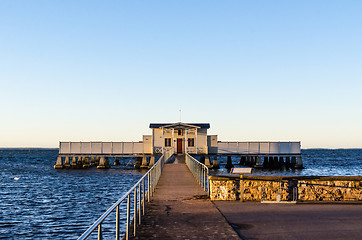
199 170
138 194
258 147
102 148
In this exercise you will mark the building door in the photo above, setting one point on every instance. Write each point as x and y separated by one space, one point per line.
179 145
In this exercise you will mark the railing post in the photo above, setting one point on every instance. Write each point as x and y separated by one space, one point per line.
135 212
148 183
144 197
151 185
128 216
207 182
117 223
139 204
203 178
199 170
100 231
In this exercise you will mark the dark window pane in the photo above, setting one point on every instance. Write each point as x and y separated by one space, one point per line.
191 142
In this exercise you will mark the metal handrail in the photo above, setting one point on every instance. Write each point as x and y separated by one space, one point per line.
139 198
199 170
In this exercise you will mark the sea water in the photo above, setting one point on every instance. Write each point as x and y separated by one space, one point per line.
39 202
316 162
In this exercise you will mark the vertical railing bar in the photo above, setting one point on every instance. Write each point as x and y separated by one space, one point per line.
117 223
135 212
100 231
139 204
151 176
128 216
148 190
144 197
199 174
203 178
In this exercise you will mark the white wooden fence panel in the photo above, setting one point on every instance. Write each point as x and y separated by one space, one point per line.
138 147
284 147
222 147
128 148
96 147
295 147
85 147
117 148
264 147
274 148
75 147
243 147
233 146
107 147
254 147
64 147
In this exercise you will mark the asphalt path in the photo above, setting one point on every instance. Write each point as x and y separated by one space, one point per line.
271 221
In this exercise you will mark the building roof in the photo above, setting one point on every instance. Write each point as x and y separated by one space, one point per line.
159 125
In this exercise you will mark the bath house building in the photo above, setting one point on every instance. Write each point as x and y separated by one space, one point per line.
179 138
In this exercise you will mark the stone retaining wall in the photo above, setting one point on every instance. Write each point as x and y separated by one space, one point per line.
277 188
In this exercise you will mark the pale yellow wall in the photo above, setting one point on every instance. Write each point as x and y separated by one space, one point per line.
202 140
201 144
212 144
147 144
157 137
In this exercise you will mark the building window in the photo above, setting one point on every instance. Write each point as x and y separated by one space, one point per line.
167 142
191 142
179 132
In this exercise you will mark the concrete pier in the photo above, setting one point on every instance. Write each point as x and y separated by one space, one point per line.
74 163
215 164
144 163
207 162
103 163
152 161
59 163
180 210
229 163
67 162
138 162
116 161
93 161
86 163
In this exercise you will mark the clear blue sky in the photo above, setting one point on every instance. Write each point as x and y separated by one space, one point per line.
255 70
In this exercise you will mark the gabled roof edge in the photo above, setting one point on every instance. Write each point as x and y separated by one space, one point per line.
159 125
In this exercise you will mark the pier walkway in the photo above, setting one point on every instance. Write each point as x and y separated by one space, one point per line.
180 209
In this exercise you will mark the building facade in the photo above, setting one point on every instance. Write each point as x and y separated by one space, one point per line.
182 138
